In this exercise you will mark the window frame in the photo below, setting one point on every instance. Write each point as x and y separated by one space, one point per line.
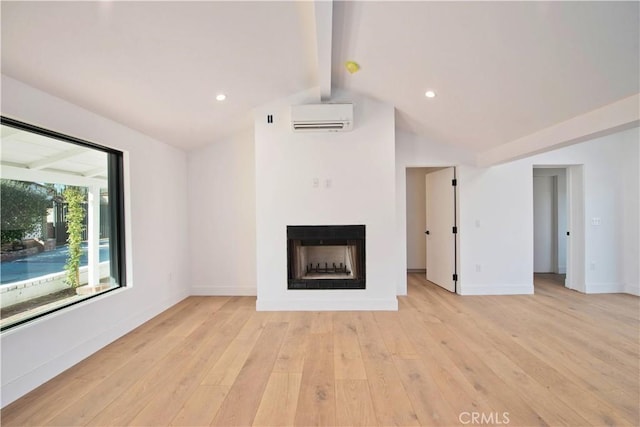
116 182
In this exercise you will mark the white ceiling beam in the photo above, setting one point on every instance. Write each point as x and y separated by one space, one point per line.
323 10
35 175
616 117
51 160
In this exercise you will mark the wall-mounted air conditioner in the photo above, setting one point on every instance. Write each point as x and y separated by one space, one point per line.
322 117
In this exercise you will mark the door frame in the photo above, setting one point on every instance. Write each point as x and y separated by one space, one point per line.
575 256
457 263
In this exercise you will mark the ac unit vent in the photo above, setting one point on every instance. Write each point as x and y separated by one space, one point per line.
322 117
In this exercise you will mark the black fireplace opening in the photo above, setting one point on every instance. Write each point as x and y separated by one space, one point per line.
326 257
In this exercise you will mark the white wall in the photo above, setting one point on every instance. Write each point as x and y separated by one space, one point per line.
356 178
496 213
611 186
222 221
500 197
416 219
157 204
495 229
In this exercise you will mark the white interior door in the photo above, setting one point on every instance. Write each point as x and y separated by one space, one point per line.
575 227
441 249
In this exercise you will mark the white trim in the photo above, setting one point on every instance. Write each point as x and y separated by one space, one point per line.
632 289
471 289
128 218
378 304
226 291
605 288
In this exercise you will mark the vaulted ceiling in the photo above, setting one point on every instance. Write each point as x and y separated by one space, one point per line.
501 70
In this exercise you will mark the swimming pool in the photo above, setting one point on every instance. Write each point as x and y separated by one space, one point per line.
45 263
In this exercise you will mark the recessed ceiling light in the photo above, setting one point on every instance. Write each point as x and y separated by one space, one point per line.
221 97
430 94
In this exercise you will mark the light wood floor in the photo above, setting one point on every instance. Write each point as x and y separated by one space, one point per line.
555 358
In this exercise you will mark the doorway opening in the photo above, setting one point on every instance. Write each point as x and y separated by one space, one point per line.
432 224
558 226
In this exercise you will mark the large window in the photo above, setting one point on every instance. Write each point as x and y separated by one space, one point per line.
62 221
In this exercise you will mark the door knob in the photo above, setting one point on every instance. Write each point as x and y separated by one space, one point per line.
426 232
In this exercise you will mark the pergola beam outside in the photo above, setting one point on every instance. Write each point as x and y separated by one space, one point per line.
51 160
35 175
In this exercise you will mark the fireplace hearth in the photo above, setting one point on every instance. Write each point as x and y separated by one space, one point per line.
326 257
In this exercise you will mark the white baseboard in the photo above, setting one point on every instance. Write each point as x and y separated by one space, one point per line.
605 288
226 291
390 304
471 289
632 289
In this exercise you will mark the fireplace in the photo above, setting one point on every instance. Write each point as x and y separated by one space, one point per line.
326 257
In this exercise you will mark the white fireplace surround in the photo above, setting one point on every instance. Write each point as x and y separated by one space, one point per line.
325 178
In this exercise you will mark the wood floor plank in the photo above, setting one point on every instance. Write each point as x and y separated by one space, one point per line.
431 407
239 303
611 363
372 345
179 384
395 339
87 407
294 347
167 320
49 406
353 404
557 374
316 401
456 389
557 357
202 406
279 401
254 326
81 380
347 356
322 322
135 398
241 404
390 400
551 409
227 368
